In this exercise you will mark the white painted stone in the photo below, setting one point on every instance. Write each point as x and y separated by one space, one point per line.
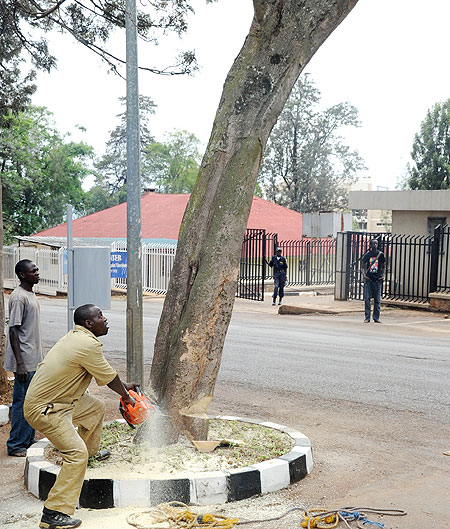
35 451
33 475
4 414
308 453
131 493
208 488
228 418
272 425
274 474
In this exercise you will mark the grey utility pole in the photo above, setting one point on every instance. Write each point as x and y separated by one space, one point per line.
135 343
69 268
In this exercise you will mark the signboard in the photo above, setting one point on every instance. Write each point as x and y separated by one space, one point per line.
118 262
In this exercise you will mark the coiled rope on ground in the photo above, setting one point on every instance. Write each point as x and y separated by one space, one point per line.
177 515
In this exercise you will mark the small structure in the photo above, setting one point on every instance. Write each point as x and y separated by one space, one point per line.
326 223
413 212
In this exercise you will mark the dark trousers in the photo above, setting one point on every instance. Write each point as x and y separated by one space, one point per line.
279 280
22 434
372 289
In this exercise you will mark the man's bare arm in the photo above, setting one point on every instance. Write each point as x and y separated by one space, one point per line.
21 371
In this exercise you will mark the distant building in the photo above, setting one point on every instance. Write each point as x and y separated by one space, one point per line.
370 220
161 219
413 212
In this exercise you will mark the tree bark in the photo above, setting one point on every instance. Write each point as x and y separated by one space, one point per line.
3 376
283 37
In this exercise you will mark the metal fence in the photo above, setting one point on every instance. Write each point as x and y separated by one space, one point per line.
157 262
310 261
50 263
415 265
440 261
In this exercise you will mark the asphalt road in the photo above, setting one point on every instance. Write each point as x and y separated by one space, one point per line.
402 364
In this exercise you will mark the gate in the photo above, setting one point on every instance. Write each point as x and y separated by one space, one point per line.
408 265
310 261
252 268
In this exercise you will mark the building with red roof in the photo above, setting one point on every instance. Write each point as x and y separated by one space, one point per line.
162 215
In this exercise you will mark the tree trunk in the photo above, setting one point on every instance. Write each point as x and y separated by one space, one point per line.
283 37
3 377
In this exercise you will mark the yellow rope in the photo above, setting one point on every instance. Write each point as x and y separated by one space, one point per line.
176 515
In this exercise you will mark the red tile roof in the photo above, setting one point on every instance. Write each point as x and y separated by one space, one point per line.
162 215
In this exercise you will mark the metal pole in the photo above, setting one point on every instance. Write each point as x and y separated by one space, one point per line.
135 344
70 306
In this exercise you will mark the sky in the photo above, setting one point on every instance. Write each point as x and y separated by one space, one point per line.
388 58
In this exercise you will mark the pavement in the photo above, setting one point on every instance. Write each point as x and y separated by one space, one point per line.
399 444
318 301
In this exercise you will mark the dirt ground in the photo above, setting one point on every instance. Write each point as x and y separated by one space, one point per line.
363 456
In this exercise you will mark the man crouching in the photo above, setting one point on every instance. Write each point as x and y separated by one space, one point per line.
56 400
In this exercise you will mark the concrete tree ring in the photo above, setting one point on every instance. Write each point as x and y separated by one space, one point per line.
199 488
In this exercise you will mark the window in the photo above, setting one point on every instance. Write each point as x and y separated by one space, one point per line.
435 221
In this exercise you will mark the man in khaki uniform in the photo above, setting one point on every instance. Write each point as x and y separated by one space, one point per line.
57 397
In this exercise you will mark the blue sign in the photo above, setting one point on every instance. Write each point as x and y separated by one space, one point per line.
118 264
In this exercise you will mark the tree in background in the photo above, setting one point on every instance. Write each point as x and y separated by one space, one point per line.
173 165
92 23
306 165
111 169
40 172
431 151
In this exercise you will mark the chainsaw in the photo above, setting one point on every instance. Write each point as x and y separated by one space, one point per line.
140 412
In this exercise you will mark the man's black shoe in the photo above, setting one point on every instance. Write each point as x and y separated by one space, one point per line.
57 520
102 455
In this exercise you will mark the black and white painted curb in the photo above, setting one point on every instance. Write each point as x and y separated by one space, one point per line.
200 488
4 414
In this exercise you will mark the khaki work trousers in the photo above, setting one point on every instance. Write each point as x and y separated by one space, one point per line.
57 425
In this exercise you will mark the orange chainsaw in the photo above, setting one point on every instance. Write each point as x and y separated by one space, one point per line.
137 414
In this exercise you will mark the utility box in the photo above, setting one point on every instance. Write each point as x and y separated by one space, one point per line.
326 223
91 276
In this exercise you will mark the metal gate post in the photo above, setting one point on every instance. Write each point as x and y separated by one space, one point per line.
263 265
342 264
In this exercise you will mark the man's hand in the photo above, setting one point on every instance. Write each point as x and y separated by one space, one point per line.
21 373
128 400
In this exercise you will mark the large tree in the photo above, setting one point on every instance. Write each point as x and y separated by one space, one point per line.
283 37
431 151
41 172
306 165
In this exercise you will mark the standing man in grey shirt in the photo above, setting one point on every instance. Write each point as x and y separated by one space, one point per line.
23 352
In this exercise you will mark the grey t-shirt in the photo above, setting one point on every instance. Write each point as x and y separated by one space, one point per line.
24 311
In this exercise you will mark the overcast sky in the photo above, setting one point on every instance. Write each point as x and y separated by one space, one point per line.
389 58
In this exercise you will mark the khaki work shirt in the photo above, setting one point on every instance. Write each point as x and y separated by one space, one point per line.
66 371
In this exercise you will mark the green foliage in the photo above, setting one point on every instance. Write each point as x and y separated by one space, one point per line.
112 166
431 151
306 165
16 88
173 165
92 23
41 172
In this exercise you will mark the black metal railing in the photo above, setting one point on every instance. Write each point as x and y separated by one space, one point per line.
310 261
252 268
440 260
408 265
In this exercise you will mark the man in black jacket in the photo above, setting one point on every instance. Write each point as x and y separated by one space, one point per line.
374 264
279 265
